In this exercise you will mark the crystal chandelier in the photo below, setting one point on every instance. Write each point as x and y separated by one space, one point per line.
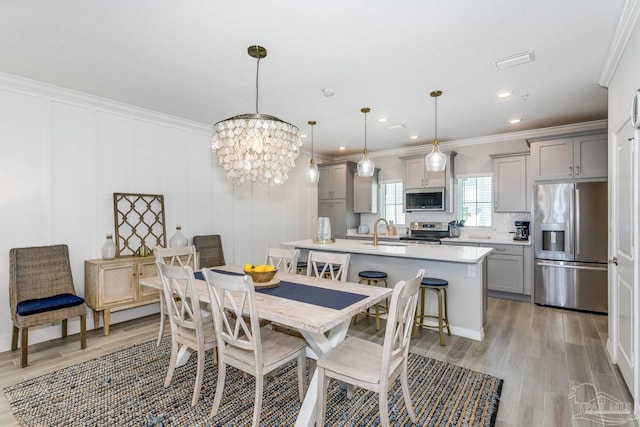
312 175
436 161
256 147
365 166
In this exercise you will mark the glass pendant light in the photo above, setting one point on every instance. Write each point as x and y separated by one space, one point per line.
365 166
312 175
436 161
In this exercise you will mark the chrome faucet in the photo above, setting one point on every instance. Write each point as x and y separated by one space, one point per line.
375 230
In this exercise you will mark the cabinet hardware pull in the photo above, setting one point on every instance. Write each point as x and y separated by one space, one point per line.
570 171
499 249
578 170
571 267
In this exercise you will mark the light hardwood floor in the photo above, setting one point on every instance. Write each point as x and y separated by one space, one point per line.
540 352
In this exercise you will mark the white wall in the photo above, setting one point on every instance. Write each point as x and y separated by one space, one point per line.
624 83
64 154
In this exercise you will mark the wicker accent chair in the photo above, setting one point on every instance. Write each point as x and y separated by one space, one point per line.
210 249
41 291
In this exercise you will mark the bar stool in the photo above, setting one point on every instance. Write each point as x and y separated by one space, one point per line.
375 278
440 287
301 267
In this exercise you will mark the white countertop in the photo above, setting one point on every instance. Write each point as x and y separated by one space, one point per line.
448 253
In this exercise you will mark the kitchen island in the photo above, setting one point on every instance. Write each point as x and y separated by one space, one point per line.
462 266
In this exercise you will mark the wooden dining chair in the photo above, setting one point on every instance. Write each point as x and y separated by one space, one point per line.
284 259
188 329
41 292
181 256
210 249
372 366
246 346
330 265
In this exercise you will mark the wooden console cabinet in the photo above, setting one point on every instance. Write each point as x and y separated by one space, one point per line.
112 285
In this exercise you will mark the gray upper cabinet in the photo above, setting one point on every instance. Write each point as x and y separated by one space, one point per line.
510 183
580 157
416 174
336 196
365 193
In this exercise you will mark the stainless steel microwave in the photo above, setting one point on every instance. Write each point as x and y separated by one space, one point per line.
424 199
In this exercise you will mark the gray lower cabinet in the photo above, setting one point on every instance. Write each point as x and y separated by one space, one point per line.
506 267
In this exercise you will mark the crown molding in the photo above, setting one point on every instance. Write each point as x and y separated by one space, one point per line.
626 25
30 87
420 150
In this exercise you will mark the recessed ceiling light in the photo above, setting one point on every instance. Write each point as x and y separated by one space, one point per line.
413 137
505 94
395 126
515 121
342 148
513 60
328 92
303 135
382 119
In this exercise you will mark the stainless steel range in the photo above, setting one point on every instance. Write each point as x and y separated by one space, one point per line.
427 232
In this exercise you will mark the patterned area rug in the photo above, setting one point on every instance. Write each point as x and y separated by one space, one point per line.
125 389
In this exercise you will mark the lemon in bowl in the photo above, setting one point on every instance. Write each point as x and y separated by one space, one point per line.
261 273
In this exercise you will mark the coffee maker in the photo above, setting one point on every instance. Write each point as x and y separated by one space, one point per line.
522 230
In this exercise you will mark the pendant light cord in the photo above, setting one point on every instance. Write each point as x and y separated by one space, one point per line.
257 86
365 132
311 142
436 118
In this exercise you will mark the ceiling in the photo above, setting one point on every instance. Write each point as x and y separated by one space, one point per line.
189 59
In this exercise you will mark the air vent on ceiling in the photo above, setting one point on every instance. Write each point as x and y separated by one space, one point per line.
513 60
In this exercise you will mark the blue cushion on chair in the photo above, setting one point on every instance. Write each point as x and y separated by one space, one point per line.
432 281
369 274
40 305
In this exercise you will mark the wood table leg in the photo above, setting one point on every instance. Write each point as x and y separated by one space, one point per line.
106 317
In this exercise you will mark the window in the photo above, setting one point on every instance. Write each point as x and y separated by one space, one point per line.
474 201
391 194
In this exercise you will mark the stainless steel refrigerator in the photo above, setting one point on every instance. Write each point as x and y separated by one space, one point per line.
570 243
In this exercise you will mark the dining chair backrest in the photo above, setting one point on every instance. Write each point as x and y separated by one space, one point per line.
328 264
184 311
284 259
232 298
210 249
181 256
397 334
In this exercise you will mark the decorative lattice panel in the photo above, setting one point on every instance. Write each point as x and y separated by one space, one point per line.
139 220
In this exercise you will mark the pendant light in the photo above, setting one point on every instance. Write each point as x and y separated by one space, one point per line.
365 166
312 175
256 147
436 161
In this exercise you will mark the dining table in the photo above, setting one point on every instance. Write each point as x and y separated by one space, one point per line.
321 309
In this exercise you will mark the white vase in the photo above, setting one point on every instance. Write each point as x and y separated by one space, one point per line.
178 239
109 248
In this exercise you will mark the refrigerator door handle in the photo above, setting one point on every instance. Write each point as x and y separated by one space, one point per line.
571 267
577 225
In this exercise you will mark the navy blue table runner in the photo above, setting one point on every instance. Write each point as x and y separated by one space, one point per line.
329 298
